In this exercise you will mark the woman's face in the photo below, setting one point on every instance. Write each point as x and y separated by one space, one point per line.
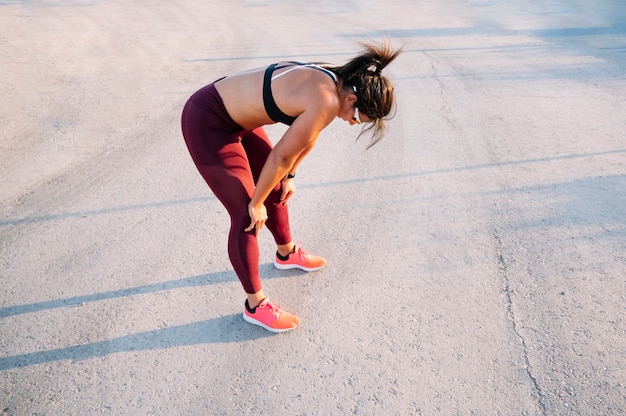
350 112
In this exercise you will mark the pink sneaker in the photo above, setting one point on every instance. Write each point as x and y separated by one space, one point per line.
299 259
270 316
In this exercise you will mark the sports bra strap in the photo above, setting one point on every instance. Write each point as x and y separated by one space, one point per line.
271 108
299 65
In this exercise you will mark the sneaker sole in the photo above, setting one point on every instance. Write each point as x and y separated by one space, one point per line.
261 324
296 266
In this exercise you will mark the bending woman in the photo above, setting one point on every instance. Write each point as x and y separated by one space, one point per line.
222 124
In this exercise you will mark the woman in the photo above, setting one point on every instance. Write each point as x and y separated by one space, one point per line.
222 125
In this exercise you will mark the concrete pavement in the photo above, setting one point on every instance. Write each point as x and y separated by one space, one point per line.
476 256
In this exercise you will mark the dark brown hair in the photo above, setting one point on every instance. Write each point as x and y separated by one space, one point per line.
374 92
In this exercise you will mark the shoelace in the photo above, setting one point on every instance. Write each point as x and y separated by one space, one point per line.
300 251
273 308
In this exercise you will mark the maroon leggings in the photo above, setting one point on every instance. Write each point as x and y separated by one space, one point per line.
230 160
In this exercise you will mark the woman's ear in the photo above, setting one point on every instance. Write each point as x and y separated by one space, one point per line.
350 98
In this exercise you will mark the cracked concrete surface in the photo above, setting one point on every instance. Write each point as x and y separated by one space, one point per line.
508 299
476 256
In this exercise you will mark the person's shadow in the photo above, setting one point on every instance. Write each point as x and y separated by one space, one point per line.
223 329
229 328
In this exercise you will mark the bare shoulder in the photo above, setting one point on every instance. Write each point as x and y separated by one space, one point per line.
314 95
307 94
319 104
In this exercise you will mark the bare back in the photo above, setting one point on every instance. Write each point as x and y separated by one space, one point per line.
297 90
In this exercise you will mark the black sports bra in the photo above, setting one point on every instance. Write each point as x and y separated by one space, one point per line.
271 108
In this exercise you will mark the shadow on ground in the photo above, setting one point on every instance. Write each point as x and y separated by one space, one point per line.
218 330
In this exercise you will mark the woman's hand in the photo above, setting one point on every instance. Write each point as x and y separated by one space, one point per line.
288 186
258 216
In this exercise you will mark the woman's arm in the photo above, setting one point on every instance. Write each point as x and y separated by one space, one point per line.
287 184
305 152
295 144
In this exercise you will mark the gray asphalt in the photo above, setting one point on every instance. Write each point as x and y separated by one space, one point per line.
476 256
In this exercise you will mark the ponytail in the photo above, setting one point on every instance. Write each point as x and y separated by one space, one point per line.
375 97
371 62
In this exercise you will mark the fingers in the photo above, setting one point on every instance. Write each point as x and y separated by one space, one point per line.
286 197
289 189
257 224
258 216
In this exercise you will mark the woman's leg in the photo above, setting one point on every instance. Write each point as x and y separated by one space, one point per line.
289 255
222 162
258 147
234 192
